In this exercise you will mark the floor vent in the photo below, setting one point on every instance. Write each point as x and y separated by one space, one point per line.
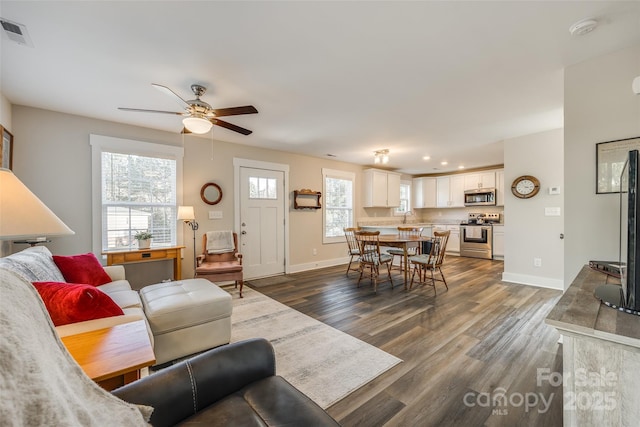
16 32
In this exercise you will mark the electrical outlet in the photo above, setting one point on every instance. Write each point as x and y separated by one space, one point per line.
537 262
314 251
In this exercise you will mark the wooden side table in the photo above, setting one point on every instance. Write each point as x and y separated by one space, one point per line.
114 356
144 255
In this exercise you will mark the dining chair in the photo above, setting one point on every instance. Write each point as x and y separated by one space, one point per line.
353 247
432 261
406 231
221 264
371 257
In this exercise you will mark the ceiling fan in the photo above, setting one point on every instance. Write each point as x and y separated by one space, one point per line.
199 116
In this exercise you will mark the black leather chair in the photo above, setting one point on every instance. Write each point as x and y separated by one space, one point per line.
232 385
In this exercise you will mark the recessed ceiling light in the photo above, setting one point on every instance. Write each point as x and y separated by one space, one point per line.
444 163
460 167
426 158
583 27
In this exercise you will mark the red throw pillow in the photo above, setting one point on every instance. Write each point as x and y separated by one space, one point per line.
72 302
83 268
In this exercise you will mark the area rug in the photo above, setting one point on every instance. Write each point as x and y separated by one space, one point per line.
322 362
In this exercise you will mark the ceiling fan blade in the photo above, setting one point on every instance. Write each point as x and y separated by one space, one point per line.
171 93
235 111
150 111
231 126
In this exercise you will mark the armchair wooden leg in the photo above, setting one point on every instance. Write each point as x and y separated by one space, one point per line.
241 285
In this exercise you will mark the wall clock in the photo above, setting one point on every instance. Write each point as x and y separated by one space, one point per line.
525 186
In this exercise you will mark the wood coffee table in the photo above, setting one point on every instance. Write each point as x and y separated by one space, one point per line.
114 356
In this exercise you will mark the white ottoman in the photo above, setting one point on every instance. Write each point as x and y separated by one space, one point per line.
186 317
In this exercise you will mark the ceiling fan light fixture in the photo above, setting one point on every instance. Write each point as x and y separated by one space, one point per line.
197 125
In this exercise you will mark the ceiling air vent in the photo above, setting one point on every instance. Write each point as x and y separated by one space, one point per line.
16 32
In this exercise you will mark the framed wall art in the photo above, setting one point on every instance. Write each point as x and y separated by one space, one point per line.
6 149
610 158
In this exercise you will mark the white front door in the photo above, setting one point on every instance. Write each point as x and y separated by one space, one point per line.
262 232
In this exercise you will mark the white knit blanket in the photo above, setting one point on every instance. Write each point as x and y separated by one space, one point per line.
219 242
40 383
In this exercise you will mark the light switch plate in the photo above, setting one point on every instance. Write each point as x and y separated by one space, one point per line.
551 211
215 214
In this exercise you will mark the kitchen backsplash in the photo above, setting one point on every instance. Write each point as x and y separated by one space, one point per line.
434 216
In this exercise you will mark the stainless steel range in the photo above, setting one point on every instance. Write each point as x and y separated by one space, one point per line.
476 235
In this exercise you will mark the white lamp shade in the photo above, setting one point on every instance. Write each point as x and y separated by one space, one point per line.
22 214
185 213
197 124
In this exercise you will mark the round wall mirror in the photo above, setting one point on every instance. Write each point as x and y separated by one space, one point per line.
211 193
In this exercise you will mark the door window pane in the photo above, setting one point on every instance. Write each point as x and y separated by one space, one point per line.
262 188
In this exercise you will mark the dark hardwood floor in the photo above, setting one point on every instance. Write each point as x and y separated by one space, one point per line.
471 354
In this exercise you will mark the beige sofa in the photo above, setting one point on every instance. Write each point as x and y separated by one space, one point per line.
35 264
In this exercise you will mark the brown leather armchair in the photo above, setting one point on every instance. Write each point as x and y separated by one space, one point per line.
232 385
220 267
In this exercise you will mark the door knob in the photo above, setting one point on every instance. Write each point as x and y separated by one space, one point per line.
561 235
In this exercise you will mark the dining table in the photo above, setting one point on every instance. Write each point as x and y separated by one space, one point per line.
403 242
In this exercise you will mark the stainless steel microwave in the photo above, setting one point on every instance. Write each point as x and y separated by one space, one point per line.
480 197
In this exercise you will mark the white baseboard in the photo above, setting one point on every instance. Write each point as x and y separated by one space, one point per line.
541 282
316 265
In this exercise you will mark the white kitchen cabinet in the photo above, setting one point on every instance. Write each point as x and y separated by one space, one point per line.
442 189
500 187
457 191
416 193
454 239
453 245
450 191
424 192
381 189
498 242
473 181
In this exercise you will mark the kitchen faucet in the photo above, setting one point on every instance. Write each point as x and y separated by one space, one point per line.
404 218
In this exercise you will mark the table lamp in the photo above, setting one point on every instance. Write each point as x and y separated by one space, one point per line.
186 214
23 215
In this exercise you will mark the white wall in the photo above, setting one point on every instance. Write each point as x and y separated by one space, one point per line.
599 106
529 233
5 112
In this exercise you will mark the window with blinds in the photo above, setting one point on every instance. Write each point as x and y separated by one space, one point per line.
338 193
138 194
137 190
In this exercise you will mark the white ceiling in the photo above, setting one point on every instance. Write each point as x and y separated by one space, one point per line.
450 80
